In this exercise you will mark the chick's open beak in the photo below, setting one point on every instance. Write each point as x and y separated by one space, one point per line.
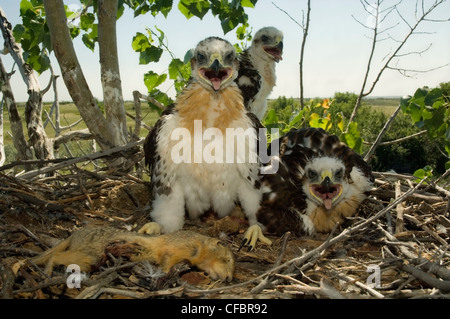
327 192
216 73
275 51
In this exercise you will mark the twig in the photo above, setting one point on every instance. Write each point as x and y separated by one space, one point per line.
427 229
97 155
264 283
399 221
138 294
33 236
158 104
380 136
399 140
33 162
149 128
440 271
370 290
7 278
443 285
91 291
53 282
323 290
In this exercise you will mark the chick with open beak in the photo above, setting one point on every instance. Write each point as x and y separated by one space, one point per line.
215 65
324 178
275 49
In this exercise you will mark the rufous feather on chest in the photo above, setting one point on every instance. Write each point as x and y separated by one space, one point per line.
214 109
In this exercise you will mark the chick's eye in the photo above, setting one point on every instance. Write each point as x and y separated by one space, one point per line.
264 38
201 57
339 173
229 57
312 174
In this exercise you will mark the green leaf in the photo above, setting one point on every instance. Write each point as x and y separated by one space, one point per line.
320 122
415 112
190 8
25 6
432 96
426 172
297 118
161 35
188 56
353 138
420 173
151 54
38 60
271 118
426 114
178 70
248 3
88 42
18 32
152 80
163 6
87 21
160 97
140 42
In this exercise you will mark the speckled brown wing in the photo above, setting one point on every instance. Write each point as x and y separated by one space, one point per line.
283 199
152 159
248 80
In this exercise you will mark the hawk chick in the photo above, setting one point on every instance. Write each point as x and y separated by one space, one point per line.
320 182
193 166
256 77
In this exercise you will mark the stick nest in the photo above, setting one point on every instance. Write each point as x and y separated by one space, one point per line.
395 247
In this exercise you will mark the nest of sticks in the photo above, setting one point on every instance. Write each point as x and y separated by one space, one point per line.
395 247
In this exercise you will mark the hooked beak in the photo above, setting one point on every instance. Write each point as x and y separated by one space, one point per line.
216 74
216 66
276 52
326 192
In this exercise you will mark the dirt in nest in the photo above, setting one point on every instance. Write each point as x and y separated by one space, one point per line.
373 261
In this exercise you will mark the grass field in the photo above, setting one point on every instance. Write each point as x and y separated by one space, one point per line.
386 105
70 114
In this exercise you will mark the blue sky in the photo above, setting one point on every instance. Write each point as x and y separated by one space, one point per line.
336 54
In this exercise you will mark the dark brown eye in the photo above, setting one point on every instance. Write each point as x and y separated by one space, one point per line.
339 173
312 174
229 58
201 58
265 38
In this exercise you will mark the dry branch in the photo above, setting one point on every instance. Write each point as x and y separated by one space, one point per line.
379 16
90 157
443 285
380 136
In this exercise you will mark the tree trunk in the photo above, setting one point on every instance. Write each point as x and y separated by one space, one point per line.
33 110
302 54
110 74
2 144
21 145
73 75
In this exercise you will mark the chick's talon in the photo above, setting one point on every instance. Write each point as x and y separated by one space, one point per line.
252 235
151 228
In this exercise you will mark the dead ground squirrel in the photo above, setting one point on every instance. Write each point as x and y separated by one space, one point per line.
86 247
